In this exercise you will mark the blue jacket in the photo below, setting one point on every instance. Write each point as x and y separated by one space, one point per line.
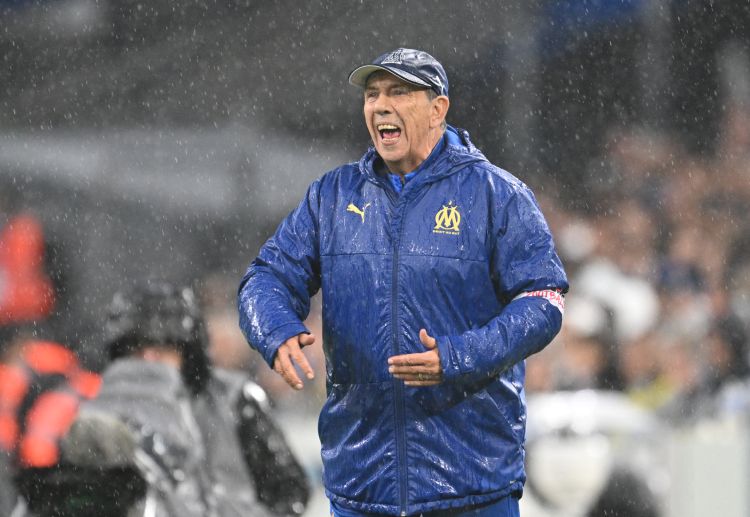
463 252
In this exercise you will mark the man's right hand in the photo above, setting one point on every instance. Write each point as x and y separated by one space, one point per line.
289 354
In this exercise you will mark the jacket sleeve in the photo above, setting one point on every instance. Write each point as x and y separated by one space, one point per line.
274 295
529 279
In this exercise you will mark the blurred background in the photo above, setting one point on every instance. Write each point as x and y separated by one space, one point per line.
168 138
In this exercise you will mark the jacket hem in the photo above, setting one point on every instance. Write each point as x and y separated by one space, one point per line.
429 506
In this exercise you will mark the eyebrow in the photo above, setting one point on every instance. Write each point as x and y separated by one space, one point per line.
410 87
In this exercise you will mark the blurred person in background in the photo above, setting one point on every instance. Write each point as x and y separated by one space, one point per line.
227 348
587 355
734 147
629 238
41 381
209 446
626 494
639 367
592 453
737 279
41 390
686 311
679 366
26 290
423 237
583 355
724 386
42 384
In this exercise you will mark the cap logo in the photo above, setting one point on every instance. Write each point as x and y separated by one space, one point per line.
437 82
396 57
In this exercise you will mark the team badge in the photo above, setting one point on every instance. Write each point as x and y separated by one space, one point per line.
447 220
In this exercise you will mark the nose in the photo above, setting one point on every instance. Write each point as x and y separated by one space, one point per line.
381 105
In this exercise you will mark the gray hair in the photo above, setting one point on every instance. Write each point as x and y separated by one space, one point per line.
432 95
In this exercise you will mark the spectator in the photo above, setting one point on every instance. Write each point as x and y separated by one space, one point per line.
41 387
724 389
26 292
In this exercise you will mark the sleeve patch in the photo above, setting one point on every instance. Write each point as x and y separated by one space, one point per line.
554 296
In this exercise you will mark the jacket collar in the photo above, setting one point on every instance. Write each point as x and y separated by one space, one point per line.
457 152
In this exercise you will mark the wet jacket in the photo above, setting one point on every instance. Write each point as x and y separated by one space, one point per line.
463 252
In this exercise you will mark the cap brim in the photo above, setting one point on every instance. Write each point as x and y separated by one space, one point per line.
359 76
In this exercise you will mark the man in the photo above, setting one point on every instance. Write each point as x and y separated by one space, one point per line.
206 444
439 277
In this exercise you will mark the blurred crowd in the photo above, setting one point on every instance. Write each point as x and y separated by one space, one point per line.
658 255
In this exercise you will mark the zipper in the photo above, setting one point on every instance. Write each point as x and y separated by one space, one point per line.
399 402
398 386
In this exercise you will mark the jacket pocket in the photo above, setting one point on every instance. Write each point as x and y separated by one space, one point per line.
356 430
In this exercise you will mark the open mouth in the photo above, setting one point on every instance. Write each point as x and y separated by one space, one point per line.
388 132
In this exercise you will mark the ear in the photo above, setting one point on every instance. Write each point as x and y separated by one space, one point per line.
440 107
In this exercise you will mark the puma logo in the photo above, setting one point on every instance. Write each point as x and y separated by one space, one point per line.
353 208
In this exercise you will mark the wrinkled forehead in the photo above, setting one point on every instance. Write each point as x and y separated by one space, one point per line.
384 78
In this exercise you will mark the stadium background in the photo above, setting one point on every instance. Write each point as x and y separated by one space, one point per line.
169 137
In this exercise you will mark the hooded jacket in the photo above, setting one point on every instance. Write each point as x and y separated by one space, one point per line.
464 252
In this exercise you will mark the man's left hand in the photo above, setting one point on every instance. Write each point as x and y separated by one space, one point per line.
422 369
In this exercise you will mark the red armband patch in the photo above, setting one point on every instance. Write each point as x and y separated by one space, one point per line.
555 297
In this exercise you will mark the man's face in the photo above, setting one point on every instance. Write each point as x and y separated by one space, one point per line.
402 120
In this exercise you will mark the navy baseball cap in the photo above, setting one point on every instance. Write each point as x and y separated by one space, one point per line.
413 66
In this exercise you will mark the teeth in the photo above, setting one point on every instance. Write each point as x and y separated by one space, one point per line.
387 127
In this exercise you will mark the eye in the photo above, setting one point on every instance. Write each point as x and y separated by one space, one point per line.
371 95
400 91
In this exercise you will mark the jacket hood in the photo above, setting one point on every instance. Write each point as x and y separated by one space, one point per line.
458 152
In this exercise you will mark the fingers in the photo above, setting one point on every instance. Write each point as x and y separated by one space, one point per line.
306 339
421 369
299 358
425 362
284 367
426 339
419 378
289 354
